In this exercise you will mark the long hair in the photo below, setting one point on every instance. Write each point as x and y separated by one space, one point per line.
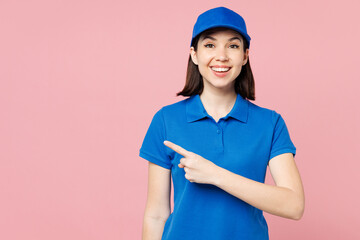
244 83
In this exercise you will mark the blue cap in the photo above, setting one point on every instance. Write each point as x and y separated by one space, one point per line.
220 17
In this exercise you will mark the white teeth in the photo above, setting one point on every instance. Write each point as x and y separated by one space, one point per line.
220 69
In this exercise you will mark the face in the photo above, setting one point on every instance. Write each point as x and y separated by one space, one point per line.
220 57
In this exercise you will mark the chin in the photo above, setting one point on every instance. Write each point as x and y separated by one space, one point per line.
221 85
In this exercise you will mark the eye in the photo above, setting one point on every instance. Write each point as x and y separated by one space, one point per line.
235 46
209 44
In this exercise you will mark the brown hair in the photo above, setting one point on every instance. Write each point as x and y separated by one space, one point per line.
244 83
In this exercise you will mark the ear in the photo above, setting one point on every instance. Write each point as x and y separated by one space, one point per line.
193 56
246 56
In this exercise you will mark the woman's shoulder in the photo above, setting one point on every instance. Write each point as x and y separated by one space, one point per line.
174 109
262 112
177 104
260 109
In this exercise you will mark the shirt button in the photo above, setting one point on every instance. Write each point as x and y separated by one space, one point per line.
218 131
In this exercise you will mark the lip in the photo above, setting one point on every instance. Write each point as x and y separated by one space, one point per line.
218 74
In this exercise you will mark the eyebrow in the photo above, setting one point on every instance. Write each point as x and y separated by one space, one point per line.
212 38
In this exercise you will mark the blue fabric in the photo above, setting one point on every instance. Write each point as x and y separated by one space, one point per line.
242 142
220 17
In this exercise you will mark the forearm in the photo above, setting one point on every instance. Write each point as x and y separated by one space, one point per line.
152 228
275 200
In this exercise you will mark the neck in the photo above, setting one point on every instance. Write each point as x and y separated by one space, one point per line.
218 102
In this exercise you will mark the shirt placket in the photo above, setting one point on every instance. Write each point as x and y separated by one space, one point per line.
219 130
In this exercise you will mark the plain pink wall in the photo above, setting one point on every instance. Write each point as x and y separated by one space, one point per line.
81 80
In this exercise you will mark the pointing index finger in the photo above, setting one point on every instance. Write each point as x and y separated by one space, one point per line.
177 148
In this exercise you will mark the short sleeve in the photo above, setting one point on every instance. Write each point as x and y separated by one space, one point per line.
153 148
281 141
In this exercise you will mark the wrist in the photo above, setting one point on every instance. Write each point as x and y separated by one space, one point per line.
217 175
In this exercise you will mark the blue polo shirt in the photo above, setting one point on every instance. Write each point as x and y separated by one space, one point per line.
242 142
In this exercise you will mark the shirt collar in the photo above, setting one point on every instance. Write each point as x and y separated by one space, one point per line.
195 109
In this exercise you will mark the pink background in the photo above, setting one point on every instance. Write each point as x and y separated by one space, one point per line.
81 80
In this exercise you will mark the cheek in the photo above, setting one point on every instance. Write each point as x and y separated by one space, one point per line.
204 62
203 59
237 57
202 69
239 61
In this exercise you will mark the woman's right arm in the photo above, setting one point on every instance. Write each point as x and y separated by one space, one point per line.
158 207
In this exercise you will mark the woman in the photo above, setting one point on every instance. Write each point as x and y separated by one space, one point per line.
216 145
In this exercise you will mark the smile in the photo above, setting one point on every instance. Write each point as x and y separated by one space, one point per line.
220 69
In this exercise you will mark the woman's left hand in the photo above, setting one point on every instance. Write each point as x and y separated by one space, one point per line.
197 169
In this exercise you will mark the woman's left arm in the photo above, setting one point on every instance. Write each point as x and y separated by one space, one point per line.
286 199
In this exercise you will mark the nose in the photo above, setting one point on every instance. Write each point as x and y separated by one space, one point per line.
221 54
